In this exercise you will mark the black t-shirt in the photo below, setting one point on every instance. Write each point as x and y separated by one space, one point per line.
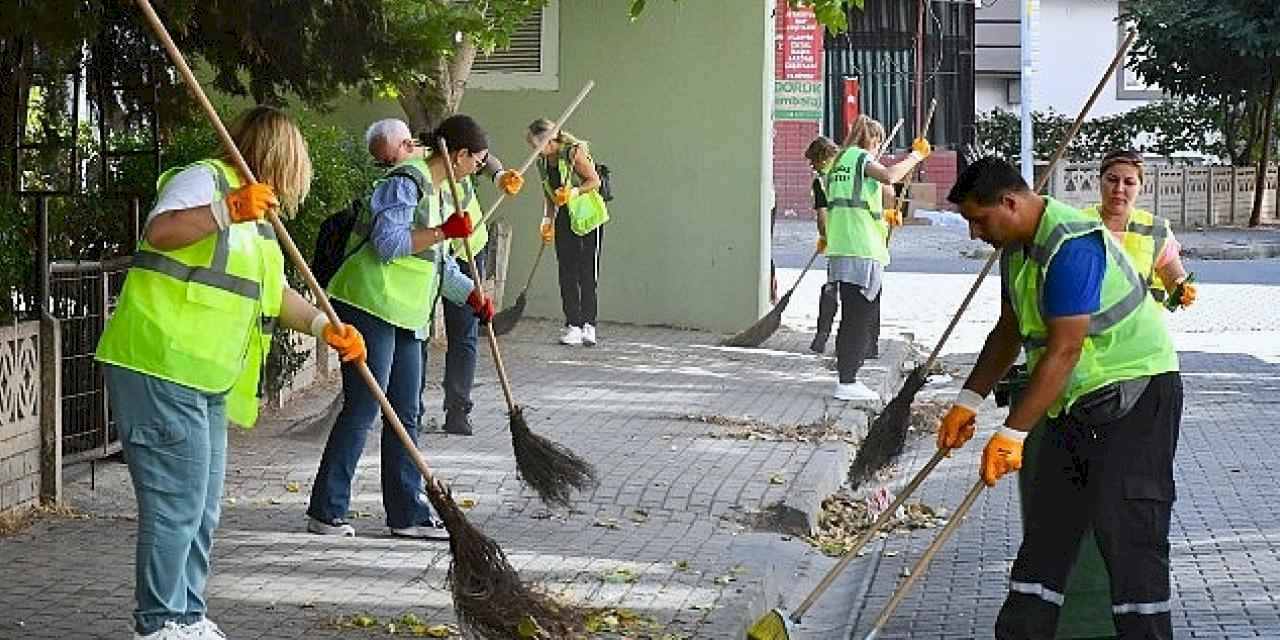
819 194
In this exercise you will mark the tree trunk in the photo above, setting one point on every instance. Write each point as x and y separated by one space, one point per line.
438 95
1260 182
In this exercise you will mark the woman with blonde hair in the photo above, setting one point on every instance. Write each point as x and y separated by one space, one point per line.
568 173
184 350
855 233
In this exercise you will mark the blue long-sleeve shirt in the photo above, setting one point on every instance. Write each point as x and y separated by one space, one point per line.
394 204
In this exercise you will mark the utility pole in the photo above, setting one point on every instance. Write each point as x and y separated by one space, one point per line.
1029 45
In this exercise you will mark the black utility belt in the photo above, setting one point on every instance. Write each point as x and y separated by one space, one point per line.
1108 404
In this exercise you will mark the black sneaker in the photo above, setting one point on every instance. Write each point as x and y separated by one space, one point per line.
457 423
819 344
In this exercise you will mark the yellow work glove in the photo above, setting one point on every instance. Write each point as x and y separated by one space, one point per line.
246 204
348 343
510 182
893 217
1002 454
547 231
957 427
921 149
564 194
821 244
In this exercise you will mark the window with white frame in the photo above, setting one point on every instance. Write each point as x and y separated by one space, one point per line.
531 62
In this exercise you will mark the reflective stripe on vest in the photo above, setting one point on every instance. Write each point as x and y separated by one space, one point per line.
1038 590
401 292
195 315
855 211
1145 237
471 204
1126 337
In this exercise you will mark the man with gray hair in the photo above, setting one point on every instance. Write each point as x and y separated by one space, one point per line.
385 138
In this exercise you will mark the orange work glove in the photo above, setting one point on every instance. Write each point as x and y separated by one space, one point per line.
920 148
822 244
547 231
510 182
958 425
349 344
457 226
564 194
1002 455
246 204
1188 294
893 217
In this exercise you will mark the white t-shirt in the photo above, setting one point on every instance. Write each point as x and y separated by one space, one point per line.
191 187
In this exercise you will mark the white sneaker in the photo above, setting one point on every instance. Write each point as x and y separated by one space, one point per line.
572 336
335 528
855 391
170 631
206 630
433 530
588 335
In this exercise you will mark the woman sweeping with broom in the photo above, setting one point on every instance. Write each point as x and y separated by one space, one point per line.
855 233
570 184
184 349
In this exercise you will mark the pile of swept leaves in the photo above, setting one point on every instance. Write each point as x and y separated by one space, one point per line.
15 521
822 430
844 519
406 625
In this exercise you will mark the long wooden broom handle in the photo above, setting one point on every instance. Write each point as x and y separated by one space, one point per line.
1040 184
537 149
475 277
282 234
906 184
923 562
885 517
536 261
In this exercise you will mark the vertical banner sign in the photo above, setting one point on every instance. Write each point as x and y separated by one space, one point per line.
851 110
798 81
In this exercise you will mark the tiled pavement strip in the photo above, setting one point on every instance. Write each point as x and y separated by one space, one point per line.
618 405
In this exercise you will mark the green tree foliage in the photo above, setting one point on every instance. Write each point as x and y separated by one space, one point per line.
1166 128
1226 51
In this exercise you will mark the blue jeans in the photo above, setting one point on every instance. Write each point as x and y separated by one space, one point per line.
175 444
395 358
461 327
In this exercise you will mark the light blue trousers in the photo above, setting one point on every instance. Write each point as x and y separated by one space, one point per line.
175 443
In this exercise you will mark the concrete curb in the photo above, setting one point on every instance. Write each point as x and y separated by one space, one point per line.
1259 251
824 473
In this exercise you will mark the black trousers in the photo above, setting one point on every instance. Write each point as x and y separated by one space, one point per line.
1117 477
859 329
579 258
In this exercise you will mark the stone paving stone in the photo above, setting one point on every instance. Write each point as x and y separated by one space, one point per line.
620 405
1224 552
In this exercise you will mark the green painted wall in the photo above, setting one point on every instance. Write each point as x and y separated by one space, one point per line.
680 113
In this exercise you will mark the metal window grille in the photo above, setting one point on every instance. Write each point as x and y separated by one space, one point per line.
523 56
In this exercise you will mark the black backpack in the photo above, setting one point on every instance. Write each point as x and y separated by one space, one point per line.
335 232
606 190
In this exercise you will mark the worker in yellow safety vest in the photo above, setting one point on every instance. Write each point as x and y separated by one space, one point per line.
853 231
184 350
1147 238
1104 374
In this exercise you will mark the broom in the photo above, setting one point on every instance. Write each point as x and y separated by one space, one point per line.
548 468
504 321
888 433
488 596
765 327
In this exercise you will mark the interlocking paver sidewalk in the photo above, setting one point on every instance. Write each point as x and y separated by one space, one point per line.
672 493
1225 533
